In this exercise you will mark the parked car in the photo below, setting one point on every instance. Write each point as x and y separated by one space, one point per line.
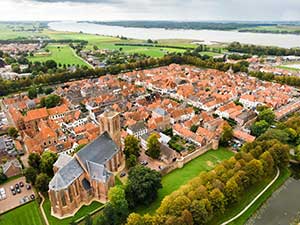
13 192
12 188
17 186
18 190
144 163
32 196
21 184
122 174
28 186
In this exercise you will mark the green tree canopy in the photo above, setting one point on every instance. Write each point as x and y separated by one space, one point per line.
12 132
42 182
142 186
47 160
153 146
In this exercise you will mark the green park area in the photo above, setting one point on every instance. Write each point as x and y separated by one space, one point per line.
172 181
62 54
83 211
28 214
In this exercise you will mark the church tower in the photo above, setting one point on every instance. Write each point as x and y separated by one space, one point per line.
110 122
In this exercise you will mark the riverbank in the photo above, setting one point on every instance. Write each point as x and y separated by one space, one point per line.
248 197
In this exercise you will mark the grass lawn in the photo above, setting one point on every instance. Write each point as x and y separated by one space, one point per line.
61 54
178 177
251 193
28 214
84 210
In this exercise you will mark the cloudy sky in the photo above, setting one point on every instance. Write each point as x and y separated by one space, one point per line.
149 10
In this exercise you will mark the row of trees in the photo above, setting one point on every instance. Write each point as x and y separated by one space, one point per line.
262 50
211 193
289 80
8 86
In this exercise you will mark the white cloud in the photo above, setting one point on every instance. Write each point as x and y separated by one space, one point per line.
149 10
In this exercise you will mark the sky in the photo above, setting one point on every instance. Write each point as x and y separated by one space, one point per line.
182 10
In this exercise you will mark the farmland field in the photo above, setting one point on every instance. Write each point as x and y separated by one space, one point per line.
28 214
172 181
60 53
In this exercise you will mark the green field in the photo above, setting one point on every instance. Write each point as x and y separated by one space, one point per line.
28 214
7 32
63 54
178 177
84 210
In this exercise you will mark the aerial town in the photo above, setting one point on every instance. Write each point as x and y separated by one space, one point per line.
141 122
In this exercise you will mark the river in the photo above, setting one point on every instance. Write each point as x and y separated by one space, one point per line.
206 36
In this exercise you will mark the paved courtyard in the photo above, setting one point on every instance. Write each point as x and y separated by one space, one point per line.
11 200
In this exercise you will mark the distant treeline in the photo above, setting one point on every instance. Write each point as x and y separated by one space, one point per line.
289 80
154 45
262 50
184 25
9 86
297 32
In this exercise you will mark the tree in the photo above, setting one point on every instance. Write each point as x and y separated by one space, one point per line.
254 170
142 186
153 146
47 160
266 115
42 182
231 190
259 128
51 64
217 200
32 93
132 146
50 101
3 177
30 175
12 132
226 135
201 211
34 160
15 67
131 161
116 211
48 90
194 128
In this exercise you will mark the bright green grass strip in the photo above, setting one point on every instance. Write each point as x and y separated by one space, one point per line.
28 214
172 181
84 210
287 67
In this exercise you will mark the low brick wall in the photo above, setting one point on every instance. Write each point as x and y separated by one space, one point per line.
179 163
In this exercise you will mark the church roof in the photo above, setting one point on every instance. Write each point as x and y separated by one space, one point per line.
99 151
